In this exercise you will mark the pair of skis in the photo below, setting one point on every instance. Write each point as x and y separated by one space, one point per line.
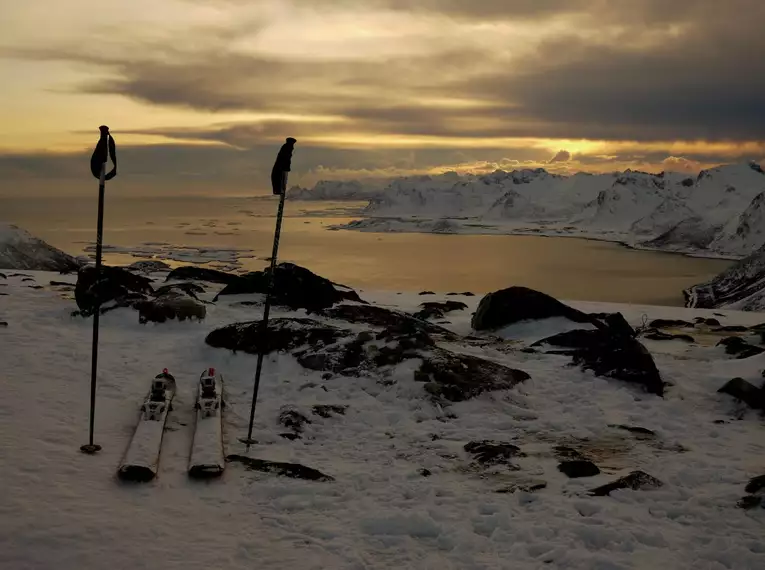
141 460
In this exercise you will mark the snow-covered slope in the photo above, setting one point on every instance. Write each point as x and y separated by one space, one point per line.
717 212
406 494
21 250
741 287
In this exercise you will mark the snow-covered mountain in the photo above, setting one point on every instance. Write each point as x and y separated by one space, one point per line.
336 190
718 212
21 250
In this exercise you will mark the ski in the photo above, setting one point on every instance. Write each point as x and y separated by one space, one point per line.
141 459
206 459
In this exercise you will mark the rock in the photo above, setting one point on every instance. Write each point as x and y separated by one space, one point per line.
617 325
282 334
578 468
637 480
488 452
3 276
170 303
737 346
293 419
458 377
28 280
61 284
465 294
327 411
427 293
190 289
149 266
610 352
529 487
711 322
756 484
438 309
565 453
658 335
3 324
731 328
295 287
20 250
36 287
424 472
394 321
635 429
742 390
669 323
192 273
749 502
516 304
293 470
116 284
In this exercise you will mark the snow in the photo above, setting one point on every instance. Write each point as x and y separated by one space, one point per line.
20 250
716 213
62 509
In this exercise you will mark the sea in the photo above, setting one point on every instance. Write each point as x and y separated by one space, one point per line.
236 233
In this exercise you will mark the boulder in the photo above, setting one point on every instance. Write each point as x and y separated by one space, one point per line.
427 293
394 321
190 289
192 273
669 323
658 335
282 334
170 303
458 377
742 390
328 410
294 420
116 284
731 328
756 484
149 266
578 468
515 304
611 351
436 309
294 287
637 480
524 487
738 347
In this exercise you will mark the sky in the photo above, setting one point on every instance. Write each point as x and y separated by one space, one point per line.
200 94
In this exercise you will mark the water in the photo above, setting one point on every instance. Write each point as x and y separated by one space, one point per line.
564 267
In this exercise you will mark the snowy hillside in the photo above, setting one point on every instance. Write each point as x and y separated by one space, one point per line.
741 287
717 212
558 468
20 250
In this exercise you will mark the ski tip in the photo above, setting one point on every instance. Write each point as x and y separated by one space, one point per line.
90 448
137 473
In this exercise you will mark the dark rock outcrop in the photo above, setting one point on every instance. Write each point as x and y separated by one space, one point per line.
738 347
150 266
328 410
658 335
190 289
282 334
488 452
292 470
171 302
669 323
294 287
611 351
578 468
515 304
192 273
294 420
637 481
436 309
116 284
395 321
524 487
458 377
742 390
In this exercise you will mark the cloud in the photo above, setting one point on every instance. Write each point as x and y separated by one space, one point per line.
561 156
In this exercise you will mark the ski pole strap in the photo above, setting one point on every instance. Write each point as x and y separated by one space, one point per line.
104 150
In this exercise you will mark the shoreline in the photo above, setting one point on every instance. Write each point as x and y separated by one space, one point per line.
530 232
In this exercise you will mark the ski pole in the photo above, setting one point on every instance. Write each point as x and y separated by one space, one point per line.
104 148
279 183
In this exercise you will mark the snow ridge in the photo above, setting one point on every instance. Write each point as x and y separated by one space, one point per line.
20 250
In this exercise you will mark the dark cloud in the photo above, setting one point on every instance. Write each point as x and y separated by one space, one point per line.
560 156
